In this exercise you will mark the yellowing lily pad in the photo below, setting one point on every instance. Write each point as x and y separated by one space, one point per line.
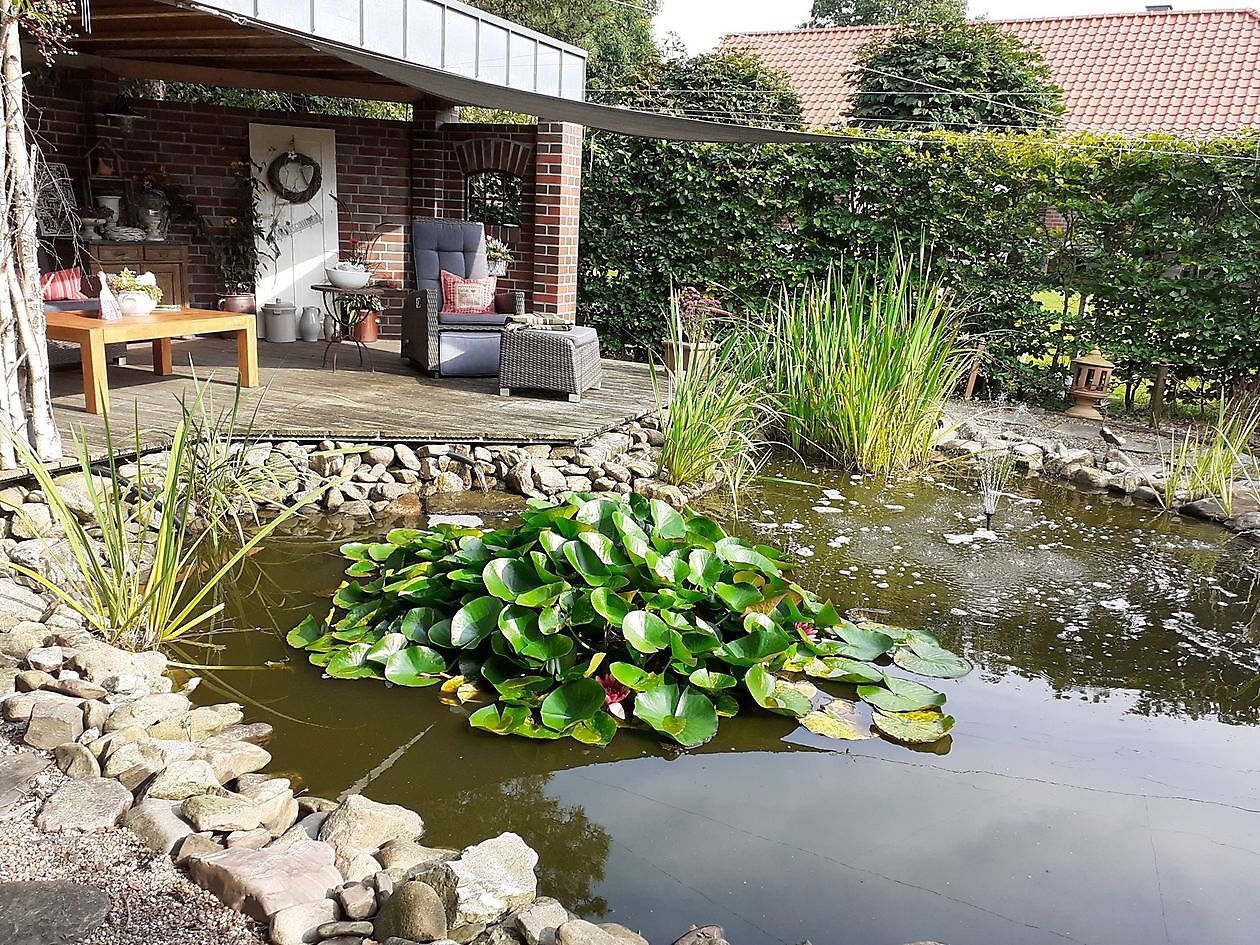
914 728
838 719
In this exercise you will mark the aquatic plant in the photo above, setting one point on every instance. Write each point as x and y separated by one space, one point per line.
127 558
1203 463
597 610
860 364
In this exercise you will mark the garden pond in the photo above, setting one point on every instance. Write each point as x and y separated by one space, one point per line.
1101 786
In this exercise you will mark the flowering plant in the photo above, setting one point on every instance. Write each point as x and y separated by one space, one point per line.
236 252
128 281
695 310
497 250
357 257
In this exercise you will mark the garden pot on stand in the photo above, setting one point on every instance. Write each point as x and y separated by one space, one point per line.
368 328
692 354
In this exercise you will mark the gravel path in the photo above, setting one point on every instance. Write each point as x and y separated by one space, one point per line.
153 902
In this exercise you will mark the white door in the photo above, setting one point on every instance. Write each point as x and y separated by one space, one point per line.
306 233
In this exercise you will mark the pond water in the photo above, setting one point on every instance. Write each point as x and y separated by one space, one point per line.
1102 784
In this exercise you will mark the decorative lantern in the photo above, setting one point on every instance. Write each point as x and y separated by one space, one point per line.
1091 383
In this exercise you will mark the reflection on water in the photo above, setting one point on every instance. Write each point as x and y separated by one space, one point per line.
1101 786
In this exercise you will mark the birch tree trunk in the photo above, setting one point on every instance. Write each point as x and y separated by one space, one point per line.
25 398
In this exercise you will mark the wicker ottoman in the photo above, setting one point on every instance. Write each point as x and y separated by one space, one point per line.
562 361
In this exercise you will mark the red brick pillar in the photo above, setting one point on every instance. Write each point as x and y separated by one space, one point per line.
558 199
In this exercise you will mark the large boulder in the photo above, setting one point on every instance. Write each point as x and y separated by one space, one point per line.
196 725
181 780
300 924
99 661
85 806
134 762
18 605
158 825
415 912
359 827
231 758
260 883
489 880
407 854
54 723
76 762
19 706
277 807
42 913
537 922
148 711
219 813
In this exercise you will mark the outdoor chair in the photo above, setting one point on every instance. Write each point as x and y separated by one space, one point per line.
447 343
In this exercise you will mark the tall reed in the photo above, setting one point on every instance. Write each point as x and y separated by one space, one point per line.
860 364
1206 462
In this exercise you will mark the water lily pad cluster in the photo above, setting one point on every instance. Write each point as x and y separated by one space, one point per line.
601 612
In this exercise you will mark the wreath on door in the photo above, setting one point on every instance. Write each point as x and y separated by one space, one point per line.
309 169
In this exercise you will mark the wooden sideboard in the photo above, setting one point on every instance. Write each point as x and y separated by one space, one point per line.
167 261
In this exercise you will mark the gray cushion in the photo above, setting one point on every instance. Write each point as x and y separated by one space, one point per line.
452 245
461 318
84 305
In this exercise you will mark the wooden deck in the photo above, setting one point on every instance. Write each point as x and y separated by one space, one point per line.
302 400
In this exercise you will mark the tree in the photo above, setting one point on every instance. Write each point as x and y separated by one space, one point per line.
616 35
25 400
883 12
958 76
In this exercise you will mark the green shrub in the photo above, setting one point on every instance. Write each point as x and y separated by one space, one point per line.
599 608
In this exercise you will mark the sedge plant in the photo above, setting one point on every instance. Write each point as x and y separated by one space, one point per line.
1199 464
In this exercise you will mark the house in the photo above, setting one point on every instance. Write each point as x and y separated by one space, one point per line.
1192 73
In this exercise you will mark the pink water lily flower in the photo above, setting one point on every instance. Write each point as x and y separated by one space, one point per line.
807 630
614 694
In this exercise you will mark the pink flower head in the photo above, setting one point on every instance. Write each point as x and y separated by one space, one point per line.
614 694
807 630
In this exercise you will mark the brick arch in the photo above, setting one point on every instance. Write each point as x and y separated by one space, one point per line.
494 154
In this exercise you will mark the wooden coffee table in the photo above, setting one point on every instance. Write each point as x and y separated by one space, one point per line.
92 333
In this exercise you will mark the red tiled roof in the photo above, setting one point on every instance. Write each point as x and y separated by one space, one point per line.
1195 73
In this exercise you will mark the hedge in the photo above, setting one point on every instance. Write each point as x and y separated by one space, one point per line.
1161 236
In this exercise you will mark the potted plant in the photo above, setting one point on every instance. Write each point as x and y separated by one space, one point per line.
236 252
363 313
354 269
137 295
690 343
499 255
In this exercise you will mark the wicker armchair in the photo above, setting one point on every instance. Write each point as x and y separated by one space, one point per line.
454 246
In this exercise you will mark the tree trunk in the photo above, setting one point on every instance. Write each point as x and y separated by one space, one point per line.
25 398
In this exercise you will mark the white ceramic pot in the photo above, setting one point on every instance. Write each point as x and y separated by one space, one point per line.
348 278
498 267
136 303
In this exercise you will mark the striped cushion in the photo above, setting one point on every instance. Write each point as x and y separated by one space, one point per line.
63 285
467 296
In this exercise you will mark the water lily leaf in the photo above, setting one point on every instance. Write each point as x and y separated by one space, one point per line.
603 548
586 563
599 729
415 624
901 695
612 607
305 633
645 631
634 677
862 643
734 551
501 720
542 596
710 681
633 538
572 703
520 628
927 659
349 663
704 568
362 569
666 521
756 647
475 621
686 715
415 667
354 550
837 719
916 728
386 647
671 568
440 634
380 551
322 658
843 669
506 678
727 705
507 579
778 695
738 597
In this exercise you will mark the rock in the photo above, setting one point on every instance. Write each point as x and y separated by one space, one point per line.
85 806
448 483
147 711
350 929
76 761
32 521
21 635
260 883
256 733
414 912
78 689
498 935
652 489
45 658
381 455
1208 509
135 762
18 605
98 662
581 932
310 804
406 854
366 825
181 780
20 706
122 683
300 924
623 934
53 723
158 825
249 839
231 758
211 812
407 505
384 884
487 881
356 865
16 773
537 923
705 935
305 829
32 680
357 901
51 913
1091 478
549 480
604 447
195 844
196 725
277 807
406 457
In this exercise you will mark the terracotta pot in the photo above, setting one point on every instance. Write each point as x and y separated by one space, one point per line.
693 354
242 303
368 328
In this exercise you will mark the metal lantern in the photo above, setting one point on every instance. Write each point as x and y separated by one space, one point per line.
1091 383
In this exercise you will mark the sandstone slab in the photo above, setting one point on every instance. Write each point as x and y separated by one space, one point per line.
260 883
300 924
158 825
85 806
50 913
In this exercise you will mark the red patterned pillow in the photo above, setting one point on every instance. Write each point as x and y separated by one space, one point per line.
63 285
467 296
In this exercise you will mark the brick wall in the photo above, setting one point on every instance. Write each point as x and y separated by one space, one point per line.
390 171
